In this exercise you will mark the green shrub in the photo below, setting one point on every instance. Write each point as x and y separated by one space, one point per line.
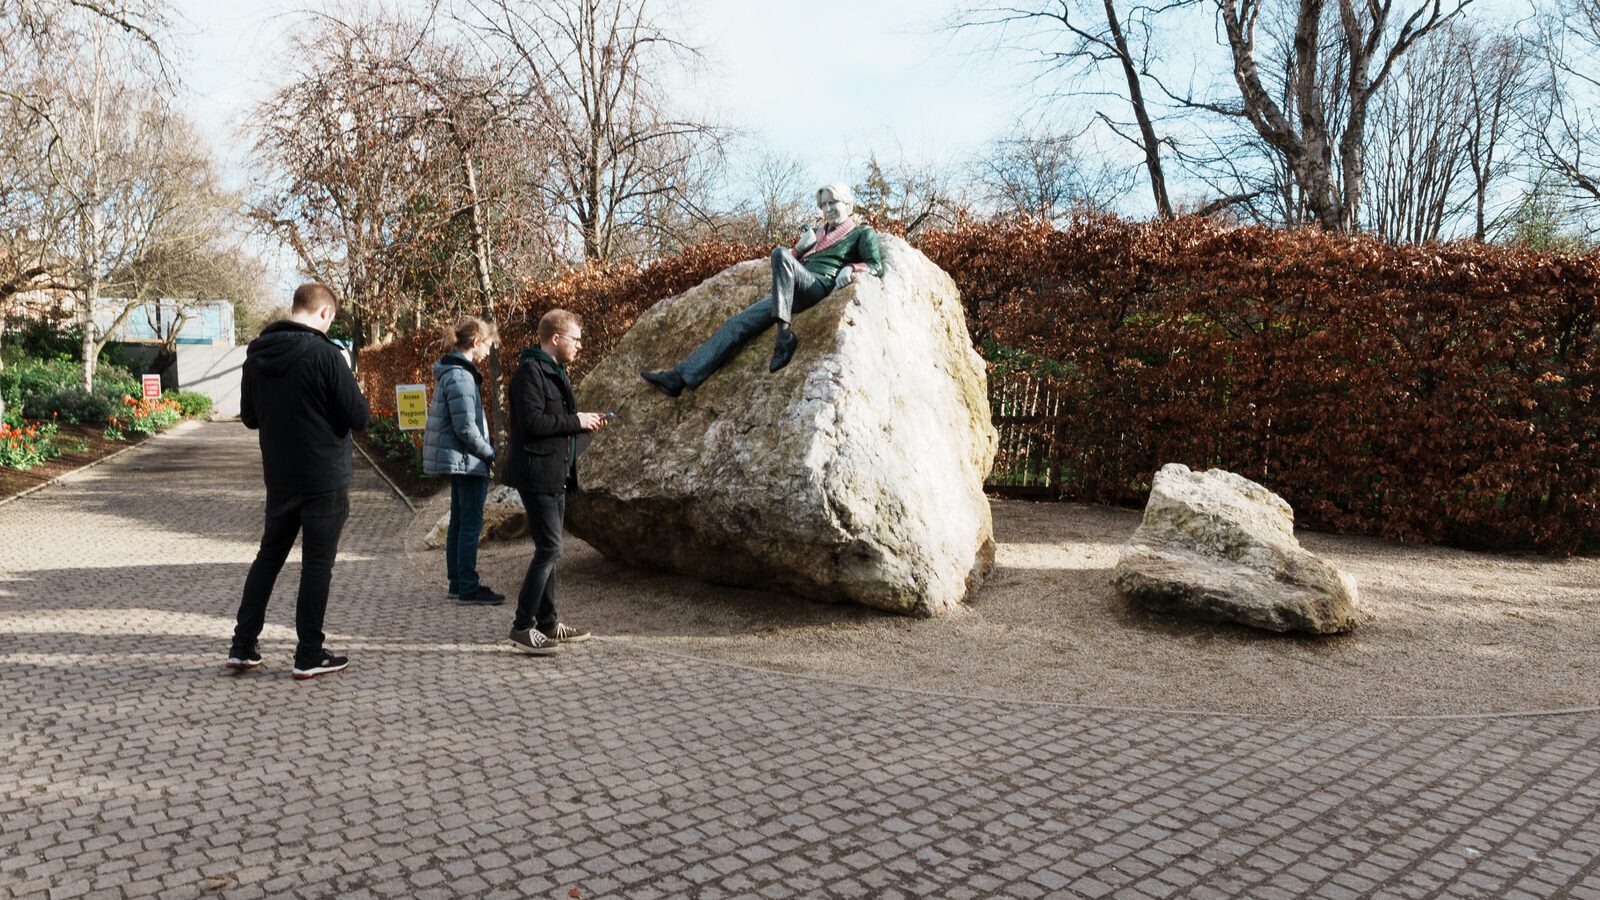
44 339
193 404
52 388
73 406
386 435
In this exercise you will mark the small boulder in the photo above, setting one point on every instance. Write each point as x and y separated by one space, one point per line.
1217 546
503 520
853 475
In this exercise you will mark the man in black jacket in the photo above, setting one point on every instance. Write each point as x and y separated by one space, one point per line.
542 464
299 393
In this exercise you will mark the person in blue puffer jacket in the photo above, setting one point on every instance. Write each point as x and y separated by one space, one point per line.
457 443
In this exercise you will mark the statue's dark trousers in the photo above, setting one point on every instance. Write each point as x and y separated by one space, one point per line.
794 290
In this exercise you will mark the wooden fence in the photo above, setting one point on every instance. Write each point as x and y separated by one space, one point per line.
1027 412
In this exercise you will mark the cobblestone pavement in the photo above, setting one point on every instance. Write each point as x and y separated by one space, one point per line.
442 764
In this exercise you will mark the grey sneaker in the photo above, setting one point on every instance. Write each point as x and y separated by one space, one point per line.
533 641
565 634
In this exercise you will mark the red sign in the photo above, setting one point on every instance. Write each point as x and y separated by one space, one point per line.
152 386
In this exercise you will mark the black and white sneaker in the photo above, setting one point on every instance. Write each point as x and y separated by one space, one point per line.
328 663
563 633
533 641
243 660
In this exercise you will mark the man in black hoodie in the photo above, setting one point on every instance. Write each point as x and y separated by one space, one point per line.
299 393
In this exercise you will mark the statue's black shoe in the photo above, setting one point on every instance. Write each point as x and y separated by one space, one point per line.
783 351
666 381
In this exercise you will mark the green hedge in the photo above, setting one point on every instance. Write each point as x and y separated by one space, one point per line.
194 404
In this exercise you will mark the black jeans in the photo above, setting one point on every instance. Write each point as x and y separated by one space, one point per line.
321 517
536 602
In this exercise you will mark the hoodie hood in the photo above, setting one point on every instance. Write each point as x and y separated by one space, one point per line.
282 345
456 361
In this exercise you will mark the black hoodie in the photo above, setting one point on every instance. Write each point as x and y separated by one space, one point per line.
302 396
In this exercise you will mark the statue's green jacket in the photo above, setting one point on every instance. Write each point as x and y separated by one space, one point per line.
859 246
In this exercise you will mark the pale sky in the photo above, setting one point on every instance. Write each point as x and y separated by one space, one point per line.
834 77
828 80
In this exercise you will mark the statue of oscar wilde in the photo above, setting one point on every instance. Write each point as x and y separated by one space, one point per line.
823 260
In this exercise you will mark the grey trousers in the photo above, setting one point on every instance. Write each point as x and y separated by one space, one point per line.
794 290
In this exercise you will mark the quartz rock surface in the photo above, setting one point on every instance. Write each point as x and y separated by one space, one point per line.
1217 546
503 519
854 475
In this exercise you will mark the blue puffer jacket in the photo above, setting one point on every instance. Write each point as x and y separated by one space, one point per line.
456 441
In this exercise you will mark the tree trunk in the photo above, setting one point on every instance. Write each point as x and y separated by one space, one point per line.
480 258
91 352
1147 132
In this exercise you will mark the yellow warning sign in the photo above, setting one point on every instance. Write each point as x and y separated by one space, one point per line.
411 406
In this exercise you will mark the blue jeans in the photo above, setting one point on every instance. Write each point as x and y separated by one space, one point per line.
467 493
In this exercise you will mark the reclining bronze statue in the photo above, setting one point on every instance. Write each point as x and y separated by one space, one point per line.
824 259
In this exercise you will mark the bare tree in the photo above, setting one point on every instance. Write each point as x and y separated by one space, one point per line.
1323 135
353 183
115 157
196 254
1099 35
40 42
1046 175
1440 131
916 195
590 70
782 186
1567 131
478 124
1419 157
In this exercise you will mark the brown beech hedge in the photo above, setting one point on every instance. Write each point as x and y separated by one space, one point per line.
1425 393
1437 393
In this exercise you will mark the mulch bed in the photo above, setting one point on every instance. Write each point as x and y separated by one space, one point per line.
414 486
13 482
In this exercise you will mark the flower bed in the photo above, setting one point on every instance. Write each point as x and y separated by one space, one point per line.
144 416
25 444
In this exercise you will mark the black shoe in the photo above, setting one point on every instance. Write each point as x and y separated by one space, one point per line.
243 660
666 381
481 597
533 641
783 351
328 663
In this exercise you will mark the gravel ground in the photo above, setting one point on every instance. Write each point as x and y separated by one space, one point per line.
1454 632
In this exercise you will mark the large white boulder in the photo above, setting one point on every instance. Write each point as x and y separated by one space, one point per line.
1214 545
853 475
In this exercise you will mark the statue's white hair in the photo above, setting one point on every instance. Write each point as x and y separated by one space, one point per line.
839 190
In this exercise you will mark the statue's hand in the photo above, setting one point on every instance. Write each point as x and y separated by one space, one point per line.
808 238
845 276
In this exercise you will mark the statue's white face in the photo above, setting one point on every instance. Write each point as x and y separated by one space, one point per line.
833 211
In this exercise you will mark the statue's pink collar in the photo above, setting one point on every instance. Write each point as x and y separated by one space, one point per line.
827 239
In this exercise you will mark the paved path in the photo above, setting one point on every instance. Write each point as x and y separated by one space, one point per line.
442 764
